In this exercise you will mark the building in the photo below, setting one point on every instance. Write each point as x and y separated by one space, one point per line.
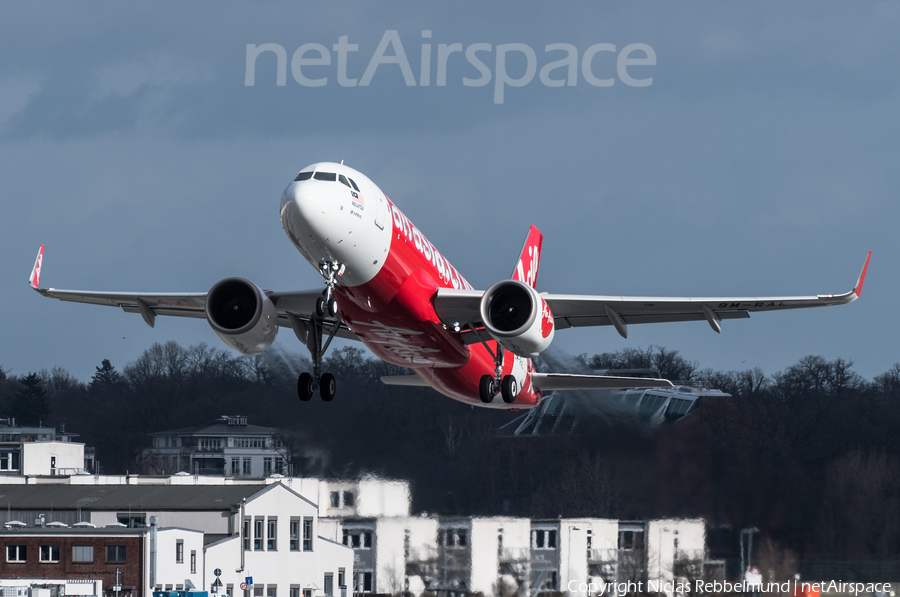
41 451
309 537
228 446
91 561
284 547
178 535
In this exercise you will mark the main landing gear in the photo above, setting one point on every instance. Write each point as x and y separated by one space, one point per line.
323 324
489 385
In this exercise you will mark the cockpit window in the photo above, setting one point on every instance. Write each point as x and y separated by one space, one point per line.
331 176
343 179
355 188
303 176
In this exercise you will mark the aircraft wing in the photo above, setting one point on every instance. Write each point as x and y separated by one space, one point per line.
295 308
462 307
569 381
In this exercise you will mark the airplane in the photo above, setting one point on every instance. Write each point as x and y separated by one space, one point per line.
387 286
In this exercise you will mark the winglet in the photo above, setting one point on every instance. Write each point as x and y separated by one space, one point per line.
35 279
862 277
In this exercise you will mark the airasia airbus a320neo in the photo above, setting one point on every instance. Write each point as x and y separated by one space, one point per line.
391 289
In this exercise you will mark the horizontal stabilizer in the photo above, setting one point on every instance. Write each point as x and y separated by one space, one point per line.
570 381
404 380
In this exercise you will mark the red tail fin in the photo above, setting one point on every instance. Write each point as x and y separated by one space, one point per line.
530 260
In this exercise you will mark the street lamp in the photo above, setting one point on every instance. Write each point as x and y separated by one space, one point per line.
569 555
748 532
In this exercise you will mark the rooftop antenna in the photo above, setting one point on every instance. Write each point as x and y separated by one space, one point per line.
342 162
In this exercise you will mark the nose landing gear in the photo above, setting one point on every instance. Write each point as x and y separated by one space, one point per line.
325 320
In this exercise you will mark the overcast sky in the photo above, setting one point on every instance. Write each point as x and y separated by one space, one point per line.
760 160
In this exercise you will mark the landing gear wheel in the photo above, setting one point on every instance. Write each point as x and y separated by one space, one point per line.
509 388
327 387
331 307
320 306
486 388
305 386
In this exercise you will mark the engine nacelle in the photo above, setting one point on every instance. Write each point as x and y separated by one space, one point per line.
242 315
517 317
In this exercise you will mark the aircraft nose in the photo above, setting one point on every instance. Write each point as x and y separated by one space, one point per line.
309 212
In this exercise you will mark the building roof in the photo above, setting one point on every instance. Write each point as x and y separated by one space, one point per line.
73 531
220 430
133 498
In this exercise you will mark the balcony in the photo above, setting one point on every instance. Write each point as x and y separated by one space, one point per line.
602 556
514 554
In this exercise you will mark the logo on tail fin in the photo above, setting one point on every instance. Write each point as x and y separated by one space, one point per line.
35 278
530 260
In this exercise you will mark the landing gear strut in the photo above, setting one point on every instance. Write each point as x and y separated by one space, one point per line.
317 329
489 385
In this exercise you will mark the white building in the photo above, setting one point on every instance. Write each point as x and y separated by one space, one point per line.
32 451
176 560
368 497
181 534
227 446
280 548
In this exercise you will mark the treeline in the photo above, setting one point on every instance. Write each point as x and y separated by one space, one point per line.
810 455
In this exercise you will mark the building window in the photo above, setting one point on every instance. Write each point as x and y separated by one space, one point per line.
307 534
349 499
631 540
179 552
295 591
271 590
329 584
258 534
307 592
544 539
9 461
132 521
246 464
115 553
229 590
335 499
271 533
341 578
83 554
250 442
193 562
49 553
16 553
367 581
295 534
258 590
235 467
453 538
247 534
210 444
267 466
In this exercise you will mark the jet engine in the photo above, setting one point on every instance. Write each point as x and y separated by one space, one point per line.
242 315
517 317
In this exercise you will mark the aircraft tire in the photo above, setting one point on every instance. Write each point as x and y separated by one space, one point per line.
486 388
331 307
327 387
320 306
305 387
509 388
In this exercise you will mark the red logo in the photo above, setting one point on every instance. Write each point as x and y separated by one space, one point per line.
546 319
